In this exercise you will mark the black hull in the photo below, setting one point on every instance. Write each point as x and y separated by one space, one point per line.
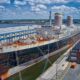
9 59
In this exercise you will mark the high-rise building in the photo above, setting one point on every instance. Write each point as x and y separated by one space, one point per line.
58 19
69 21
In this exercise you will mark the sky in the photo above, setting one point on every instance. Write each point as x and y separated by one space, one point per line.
38 9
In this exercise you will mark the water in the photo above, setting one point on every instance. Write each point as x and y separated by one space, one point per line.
13 25
39 22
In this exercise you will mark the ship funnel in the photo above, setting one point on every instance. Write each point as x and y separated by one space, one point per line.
58 19
69 21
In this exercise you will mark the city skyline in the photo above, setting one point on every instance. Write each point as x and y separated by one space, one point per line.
38 9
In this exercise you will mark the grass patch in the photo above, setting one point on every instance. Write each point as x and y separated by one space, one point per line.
34 71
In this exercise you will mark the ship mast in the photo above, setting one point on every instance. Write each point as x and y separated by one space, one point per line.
50 19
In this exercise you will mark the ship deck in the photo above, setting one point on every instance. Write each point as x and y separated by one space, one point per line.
17 29
19 46
20 32
15 46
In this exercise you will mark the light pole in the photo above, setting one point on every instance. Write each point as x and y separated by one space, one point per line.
57 62
56 70
17 59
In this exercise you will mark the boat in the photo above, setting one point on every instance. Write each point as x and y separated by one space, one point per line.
19 45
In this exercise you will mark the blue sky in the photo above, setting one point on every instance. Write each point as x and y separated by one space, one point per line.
38 9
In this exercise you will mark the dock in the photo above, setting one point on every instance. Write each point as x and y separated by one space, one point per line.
58 70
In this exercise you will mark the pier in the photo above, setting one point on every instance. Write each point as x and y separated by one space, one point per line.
58 70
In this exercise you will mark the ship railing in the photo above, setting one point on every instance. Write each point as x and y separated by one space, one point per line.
32 61
29 63
23 66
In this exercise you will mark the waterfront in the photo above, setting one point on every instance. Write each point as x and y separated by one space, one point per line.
36 70
35 22
29 72
74 72
36 35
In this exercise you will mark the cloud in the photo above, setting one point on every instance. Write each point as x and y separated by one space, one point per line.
64 8
2 7
39 1
3 1
17 2
78 0
60 1
34 8
49 1
39 7
32 2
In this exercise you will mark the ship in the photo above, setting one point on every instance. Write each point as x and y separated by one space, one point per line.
22 44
